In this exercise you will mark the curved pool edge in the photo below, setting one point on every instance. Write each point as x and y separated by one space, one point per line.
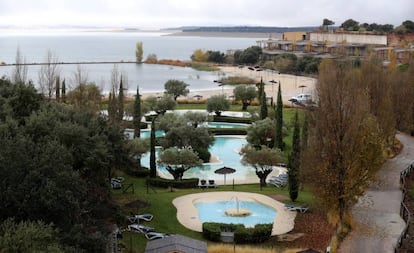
187 213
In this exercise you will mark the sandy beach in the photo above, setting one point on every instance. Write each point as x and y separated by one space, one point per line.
291 85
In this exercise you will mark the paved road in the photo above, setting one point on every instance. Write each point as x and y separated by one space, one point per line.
377 221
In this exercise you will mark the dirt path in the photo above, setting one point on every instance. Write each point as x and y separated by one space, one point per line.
377 221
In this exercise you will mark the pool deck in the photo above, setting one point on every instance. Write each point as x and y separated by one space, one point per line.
187 213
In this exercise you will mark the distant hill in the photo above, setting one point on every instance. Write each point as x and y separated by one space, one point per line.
248 29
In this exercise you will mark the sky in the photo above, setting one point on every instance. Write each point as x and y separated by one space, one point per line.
175 13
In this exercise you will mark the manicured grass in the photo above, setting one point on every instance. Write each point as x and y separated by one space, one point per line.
164 212
160 200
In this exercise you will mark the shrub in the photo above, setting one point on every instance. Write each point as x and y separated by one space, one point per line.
259 233
203 154
228 131
231 119
143 172
211 231
165 183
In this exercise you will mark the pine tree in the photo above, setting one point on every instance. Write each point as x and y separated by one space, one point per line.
294 161
137 115
279 121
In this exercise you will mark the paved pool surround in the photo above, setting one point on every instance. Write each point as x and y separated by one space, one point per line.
187 213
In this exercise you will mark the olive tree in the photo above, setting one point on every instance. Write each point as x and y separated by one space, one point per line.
217 104
160 107
262 160
176 88
245 94
178 161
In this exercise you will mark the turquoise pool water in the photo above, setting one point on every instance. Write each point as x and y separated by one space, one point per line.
226 125
226 149
215 212
145 133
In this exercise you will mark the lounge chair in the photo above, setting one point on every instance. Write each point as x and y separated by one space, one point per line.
279 181
155 235
301 209
211 184
202 183
139 228
134 218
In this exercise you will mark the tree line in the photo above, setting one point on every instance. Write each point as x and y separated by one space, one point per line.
352 25
352 132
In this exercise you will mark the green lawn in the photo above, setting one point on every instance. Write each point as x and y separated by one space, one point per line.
164 212
160 200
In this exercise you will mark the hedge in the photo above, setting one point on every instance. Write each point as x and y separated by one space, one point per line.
133 172
232 119
228 131
259 233
165 183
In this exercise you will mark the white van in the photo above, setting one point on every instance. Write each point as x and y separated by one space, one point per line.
302 98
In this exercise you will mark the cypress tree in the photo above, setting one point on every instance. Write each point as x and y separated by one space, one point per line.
305 132
279 121
153 166
263 106
113 106
57 88
294 161
121 102
64 91
137 115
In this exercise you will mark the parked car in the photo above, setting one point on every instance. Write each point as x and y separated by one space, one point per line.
302 98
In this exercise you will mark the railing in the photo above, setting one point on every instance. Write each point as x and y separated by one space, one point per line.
404 212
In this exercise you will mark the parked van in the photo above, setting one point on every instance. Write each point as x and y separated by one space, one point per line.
302 98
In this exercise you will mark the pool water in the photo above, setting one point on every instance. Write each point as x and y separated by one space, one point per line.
226 125
215 212
145 133
226 149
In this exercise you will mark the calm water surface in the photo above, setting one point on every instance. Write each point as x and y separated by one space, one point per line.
117 46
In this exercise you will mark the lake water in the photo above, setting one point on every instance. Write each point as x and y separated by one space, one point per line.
117 46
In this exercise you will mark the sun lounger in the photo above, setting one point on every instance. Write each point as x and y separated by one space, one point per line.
279 181
211 184
301 209
134 218
140 228
202 183
155 235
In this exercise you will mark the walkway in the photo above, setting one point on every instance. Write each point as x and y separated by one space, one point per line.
377 221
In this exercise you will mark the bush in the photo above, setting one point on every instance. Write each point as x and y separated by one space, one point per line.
203 154
143 172
211 231
231 119
165 183
228 131
258 234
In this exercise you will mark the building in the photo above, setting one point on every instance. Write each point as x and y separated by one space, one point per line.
332 44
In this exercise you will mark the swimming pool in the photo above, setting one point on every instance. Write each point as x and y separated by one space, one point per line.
189 216
226 150
226 125
145 133
216 212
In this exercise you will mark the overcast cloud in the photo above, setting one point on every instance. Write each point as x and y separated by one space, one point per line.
173 13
